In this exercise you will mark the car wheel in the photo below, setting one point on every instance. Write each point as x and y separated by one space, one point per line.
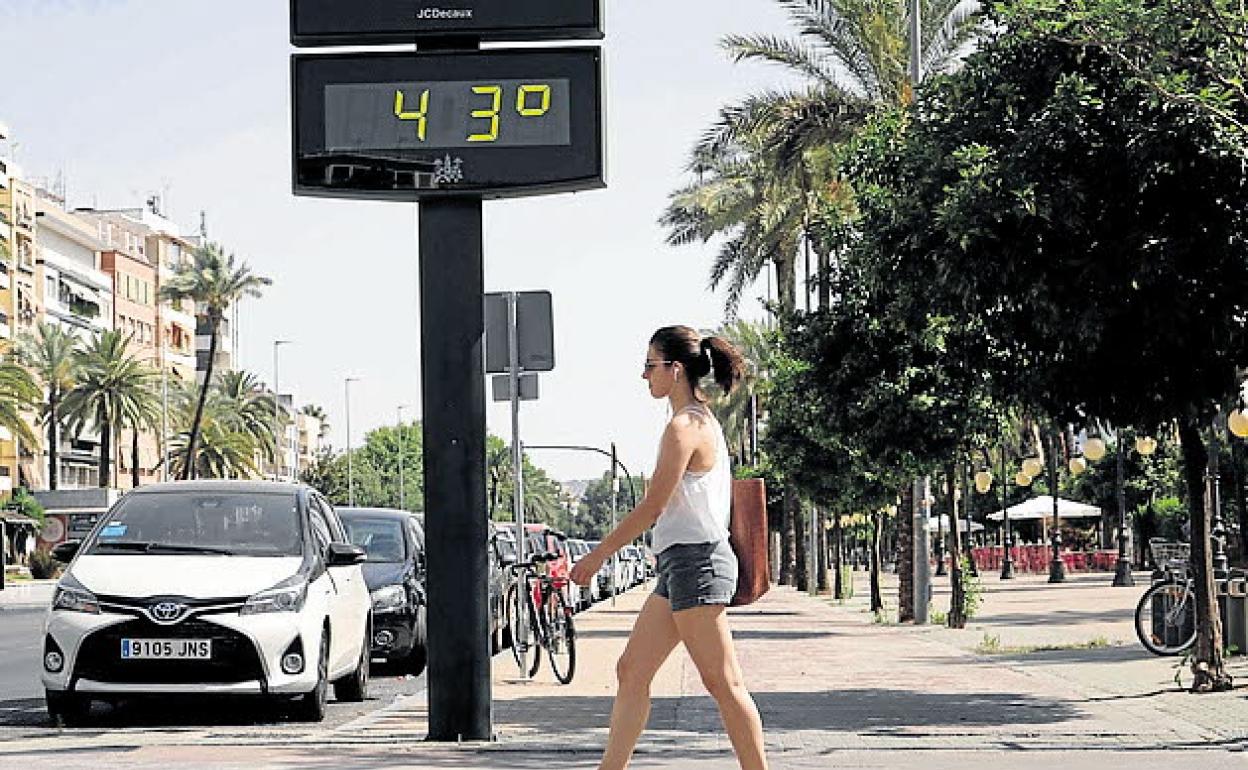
416 660
353 688
310 707
67 709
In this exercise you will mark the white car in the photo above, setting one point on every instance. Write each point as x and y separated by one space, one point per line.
210 587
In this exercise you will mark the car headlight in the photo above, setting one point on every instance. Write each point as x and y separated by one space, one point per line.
287 596
72 597
389 599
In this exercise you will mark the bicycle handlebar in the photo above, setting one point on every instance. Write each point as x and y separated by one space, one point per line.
539 558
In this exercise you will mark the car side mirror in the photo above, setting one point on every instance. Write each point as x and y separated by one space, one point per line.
344 555
65 552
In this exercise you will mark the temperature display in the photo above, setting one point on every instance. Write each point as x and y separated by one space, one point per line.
443 114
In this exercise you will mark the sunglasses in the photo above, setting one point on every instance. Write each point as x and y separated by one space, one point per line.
655 364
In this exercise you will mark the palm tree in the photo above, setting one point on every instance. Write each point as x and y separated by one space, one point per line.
224 452
18 391
115 391
764 175
214 282
251 410
733 411
50 353
315 411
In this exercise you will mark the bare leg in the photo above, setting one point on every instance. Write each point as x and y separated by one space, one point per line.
704 630
653 638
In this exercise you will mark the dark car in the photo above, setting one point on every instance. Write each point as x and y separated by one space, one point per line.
395 574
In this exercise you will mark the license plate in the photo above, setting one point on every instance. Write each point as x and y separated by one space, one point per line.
166 649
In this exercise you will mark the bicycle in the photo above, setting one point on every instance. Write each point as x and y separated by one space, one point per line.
1165 618
542 619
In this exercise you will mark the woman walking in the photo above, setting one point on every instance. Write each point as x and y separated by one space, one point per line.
688 504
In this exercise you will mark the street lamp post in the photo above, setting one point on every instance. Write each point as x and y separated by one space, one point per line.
402 498
1221 564
1057 568
1122 569
350 467
1007 537
164 409
279 434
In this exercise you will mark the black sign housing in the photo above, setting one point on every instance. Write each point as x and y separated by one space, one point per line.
404 126
368 22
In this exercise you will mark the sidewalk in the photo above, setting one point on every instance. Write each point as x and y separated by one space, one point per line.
834 689
26 594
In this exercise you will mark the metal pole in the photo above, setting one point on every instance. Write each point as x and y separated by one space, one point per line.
279 434
1122 569
517 457
1057 568
164 413
1007 537
452 309
402 498
1221 563
922 550
615 493
350 465
916 64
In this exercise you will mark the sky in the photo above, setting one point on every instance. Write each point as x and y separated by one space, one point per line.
123 99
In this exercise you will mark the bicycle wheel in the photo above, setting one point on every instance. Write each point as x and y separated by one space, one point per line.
1165 619
525 647
561 637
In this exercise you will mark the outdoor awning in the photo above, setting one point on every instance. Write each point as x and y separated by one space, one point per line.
13 518
1041 507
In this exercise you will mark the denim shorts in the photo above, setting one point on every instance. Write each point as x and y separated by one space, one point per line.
694 574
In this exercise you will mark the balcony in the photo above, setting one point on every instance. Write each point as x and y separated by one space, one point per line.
6 281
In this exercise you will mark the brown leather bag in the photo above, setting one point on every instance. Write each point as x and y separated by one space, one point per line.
748 536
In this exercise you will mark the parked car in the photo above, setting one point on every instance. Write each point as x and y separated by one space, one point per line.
578 549
210 587
634 570
601 585
501 555
395 574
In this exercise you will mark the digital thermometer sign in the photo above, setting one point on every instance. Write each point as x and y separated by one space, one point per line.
361 22
405 126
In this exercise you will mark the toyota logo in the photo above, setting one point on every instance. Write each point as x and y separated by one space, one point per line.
167 612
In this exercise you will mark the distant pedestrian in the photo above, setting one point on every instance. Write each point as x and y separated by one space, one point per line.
688 504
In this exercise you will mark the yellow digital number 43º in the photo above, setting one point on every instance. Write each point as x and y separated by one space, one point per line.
532 101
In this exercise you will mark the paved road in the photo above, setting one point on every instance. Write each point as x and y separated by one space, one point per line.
19 652
22 711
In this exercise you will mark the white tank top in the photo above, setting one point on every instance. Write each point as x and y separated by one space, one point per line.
701 505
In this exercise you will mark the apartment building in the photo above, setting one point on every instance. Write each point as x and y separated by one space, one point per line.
78 296
21 304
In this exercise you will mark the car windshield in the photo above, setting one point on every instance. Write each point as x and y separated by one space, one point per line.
228 523
381 539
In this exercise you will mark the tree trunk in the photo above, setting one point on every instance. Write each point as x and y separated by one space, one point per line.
134 460
905 555
188 470
786 284
788 537
106 453
957 601
838 550
877 598
1208 665
801 531
54 450
821 553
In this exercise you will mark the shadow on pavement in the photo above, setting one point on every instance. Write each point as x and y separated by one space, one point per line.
737 634
23 712
853 710
1056 617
